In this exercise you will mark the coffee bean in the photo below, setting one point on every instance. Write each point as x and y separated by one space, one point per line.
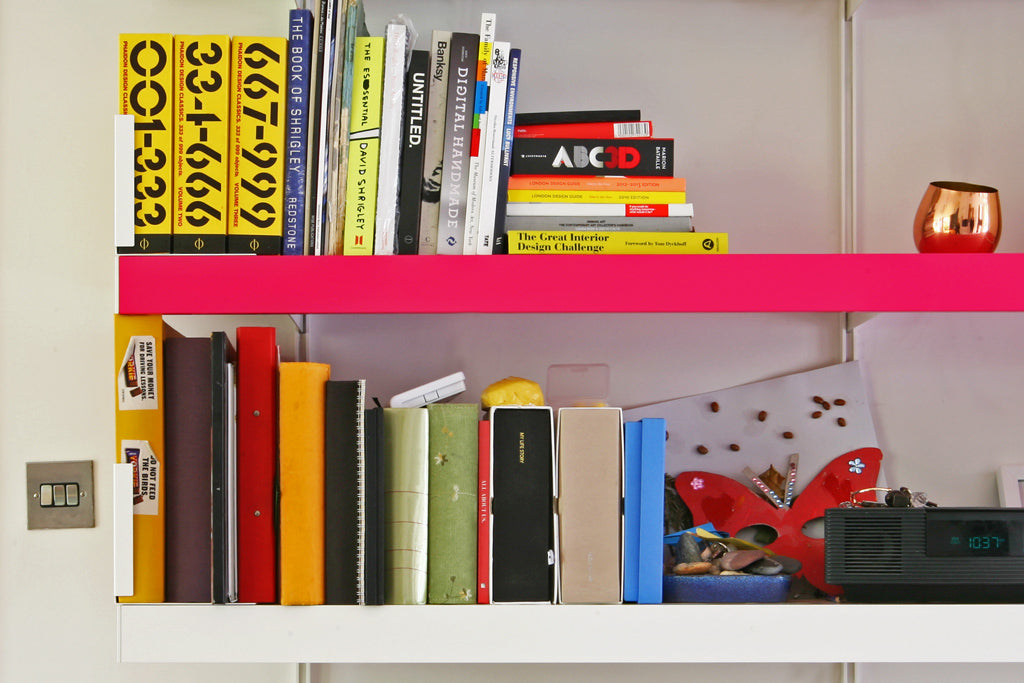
816 414
763 415
734 447
714 406
702 449
841 422
787 435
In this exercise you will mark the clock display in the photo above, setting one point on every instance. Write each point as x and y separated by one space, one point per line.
973 538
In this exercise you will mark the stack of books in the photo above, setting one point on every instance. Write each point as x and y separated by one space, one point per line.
598 182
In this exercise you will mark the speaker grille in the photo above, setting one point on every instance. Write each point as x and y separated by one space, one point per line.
870 544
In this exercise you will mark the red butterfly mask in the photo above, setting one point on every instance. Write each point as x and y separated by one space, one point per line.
731 506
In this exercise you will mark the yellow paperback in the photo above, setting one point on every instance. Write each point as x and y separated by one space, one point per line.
602 242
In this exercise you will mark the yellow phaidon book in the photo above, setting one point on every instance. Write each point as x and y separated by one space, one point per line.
258 82
364 146
146 83
201 122
139 429
605 242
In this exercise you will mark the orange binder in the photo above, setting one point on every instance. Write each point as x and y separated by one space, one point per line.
302 391
139 429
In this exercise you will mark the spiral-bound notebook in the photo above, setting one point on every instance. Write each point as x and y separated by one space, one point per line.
344 477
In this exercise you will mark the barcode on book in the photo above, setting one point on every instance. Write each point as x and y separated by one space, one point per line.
632 129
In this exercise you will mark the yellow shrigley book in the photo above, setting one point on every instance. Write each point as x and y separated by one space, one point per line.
603 242
302 396
598 196
146 84
256 168
139 430
364 146
201 123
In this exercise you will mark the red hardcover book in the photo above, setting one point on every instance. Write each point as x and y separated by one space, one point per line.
483 546
597 129
257 463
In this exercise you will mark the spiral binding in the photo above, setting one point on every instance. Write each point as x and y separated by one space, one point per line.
361 493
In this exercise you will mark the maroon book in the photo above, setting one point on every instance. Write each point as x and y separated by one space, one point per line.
187 464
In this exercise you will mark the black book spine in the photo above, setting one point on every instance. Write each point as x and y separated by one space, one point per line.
523 520
341 499
373 544
560 156
413 141
589 116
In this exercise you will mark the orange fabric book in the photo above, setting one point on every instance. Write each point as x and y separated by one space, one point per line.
301 414
139 429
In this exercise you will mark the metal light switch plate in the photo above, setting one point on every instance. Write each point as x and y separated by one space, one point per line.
60 495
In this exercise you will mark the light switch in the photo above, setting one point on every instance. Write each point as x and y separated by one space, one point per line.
60 495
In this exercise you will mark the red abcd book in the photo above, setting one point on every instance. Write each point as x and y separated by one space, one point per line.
483 546
597 129
257 463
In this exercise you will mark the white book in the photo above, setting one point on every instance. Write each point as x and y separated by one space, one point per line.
476 180
395 41
491 146
586 209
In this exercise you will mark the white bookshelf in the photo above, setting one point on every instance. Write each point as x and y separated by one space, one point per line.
570 633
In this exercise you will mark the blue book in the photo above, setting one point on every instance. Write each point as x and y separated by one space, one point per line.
500 241
300 57
631 516
651 550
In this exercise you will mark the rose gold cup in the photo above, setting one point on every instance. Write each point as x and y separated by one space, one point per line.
957 217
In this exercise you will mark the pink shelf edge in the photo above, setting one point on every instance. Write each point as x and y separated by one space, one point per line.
571 284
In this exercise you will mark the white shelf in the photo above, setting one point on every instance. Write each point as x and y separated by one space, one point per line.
570 634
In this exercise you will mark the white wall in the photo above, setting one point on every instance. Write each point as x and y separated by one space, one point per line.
750 89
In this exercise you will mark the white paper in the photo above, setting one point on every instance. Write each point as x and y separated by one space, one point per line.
788 402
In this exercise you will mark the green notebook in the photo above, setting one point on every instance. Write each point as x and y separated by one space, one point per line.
405 506
452 529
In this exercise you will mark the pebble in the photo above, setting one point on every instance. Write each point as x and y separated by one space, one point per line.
739 559
691 568
766 566
790 565
688 549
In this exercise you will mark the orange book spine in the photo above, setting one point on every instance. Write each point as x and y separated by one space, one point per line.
302 391
139 430
616 183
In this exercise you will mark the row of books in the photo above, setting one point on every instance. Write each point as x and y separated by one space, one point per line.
259 481
336 141
209 141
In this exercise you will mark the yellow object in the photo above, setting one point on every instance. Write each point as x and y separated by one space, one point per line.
364 146
608 242
302 395
598 196
146 84
139 429
733 541
259 80
512 391
202 116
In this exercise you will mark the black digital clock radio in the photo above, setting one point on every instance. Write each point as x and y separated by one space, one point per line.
929 554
